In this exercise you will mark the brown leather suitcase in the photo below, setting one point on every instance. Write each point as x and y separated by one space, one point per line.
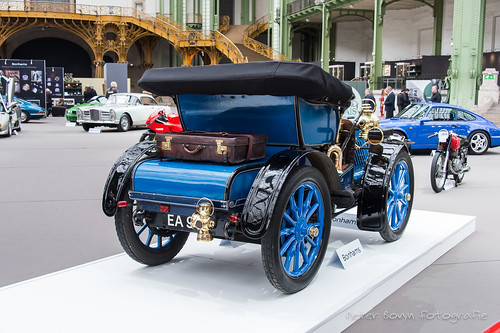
219 147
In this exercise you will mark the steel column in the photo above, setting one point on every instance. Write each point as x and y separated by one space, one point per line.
325 37
438 27
376 81
465 70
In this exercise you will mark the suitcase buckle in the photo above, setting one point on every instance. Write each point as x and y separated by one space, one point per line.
166 145
221 150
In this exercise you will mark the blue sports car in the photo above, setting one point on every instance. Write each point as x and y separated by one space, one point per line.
417 121
29 110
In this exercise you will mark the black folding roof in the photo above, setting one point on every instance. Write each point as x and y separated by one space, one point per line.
276 78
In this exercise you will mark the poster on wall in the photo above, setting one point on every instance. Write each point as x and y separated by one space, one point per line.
29 78
55 82
421 90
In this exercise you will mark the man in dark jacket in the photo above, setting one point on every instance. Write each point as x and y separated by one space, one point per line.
370 99
403 99
113 89
436 96
389 103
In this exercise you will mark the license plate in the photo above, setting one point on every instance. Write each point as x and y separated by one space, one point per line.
176 222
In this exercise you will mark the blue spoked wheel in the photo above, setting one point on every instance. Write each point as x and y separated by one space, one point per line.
295 243
399 198
147 245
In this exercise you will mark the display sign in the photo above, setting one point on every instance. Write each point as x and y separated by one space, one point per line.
29 78
55 82
346 220
350 253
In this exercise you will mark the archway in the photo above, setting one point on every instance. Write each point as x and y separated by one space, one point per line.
57 53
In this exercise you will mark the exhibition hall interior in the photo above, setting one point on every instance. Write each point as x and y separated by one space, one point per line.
250 165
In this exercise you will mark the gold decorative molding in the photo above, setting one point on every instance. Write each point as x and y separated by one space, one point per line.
93 23
253 31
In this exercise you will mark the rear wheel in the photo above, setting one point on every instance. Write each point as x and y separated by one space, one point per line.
438 176
25 116
478 143
399 198
295 243
147 245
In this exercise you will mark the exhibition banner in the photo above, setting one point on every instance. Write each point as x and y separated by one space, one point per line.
55 82
29 78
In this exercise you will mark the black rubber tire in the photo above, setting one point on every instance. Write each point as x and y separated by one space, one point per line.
134 247
387 233
124 123
434 169
472 142
9 129
86 127
26 115
270 246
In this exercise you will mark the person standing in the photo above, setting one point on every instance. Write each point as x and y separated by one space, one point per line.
436 96
403 100
92 92
113 89
406 100
389 102
86 94
370 99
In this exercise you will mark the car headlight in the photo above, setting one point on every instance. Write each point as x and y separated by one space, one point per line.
79 113
112 114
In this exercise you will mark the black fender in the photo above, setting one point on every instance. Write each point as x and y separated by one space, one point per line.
372 210
120 174
259 205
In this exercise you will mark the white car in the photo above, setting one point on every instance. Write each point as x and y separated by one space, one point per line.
9 121
121 110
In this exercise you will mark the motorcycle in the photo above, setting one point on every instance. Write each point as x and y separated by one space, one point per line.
159 122
450 158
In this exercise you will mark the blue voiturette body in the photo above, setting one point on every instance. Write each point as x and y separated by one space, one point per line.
314 162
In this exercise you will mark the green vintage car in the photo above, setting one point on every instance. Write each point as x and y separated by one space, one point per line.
71 112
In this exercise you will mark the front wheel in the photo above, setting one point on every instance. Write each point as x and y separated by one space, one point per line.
124 123
438 176
147 245
399 198
295 243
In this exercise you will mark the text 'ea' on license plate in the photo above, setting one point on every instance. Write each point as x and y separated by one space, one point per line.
176 222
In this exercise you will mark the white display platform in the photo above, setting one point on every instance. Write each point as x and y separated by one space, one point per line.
214 288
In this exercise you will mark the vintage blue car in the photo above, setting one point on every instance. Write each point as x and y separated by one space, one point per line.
420 120
316 166
29 110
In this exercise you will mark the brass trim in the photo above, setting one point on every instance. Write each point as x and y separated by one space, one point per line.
221 150
167 144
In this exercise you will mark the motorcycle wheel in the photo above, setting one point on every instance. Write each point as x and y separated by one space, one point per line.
295 243
438 177
147 245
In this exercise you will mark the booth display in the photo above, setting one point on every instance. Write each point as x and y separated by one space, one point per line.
314 160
